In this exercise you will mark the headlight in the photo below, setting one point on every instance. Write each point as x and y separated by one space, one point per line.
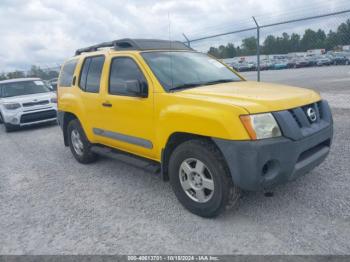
54 100
12 106
261 126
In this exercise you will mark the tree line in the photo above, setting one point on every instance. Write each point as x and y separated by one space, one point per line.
35 71
286 43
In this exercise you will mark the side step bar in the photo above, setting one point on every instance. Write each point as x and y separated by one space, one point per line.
140 162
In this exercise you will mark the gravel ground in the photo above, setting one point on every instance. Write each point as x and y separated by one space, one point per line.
50 204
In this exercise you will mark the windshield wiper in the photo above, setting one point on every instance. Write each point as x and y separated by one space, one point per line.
184 86
220 81
191 85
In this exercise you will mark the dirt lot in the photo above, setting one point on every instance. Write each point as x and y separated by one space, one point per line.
50 204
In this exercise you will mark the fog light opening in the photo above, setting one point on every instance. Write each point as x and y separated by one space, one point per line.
270 170
265 169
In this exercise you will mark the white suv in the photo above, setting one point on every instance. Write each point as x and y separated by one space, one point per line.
26 101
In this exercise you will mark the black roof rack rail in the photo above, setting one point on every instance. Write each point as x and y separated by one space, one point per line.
136 44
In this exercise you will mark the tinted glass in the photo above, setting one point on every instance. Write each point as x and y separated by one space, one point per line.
67 72
93 78
124 72
83 74
23 88
176 69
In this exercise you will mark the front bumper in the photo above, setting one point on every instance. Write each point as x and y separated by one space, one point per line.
263 164
30 117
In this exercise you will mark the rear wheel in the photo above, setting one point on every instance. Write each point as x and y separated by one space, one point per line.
79 144
200 178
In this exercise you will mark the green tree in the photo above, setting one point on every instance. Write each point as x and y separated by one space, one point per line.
269 46
214 52
288 43
343 33
15 74
331 40
3 76
249 45
294 42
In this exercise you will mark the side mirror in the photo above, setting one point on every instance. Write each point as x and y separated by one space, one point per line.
137 88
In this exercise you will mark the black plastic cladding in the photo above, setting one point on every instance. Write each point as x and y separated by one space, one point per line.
137 44
295 124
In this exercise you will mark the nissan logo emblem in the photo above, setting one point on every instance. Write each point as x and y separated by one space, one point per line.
311 113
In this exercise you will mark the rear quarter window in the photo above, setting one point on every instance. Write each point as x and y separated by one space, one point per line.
67 73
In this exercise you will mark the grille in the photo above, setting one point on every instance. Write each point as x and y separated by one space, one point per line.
43 102
301 117
38 116
295 123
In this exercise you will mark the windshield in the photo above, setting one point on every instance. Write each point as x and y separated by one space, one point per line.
178 70
23 88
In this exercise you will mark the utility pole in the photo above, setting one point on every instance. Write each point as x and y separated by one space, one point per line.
257 47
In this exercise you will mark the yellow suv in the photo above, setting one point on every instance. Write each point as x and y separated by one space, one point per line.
164 107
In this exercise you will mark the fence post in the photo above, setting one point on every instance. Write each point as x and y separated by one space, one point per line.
257 47
187 40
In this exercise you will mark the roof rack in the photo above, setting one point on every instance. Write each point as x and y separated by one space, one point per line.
136 44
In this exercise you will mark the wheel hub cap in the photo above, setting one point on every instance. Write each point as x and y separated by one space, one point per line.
196 180
77 143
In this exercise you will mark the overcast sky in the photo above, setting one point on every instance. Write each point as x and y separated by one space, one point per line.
48 32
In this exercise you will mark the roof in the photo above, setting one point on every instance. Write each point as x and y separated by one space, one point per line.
136 44
14 80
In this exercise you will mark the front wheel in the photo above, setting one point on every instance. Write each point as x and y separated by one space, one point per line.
79 144
200 178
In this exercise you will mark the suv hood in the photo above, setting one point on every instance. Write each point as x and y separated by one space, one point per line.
29 98
255 97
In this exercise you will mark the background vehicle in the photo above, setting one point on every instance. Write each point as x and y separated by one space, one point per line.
280 64
53 83
340 60
26 101
242 67
323 61
301 62
205 128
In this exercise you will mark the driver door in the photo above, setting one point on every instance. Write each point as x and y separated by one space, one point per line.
128 122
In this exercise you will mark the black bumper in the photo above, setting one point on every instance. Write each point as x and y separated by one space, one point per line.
256 165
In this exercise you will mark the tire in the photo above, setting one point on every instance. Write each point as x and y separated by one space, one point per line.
79 144
194 154
1 119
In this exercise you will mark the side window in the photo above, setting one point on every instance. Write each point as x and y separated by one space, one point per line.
124 71
83 74
90 77
67 72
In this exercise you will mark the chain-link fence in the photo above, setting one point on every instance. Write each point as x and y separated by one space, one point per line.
319 40
44 72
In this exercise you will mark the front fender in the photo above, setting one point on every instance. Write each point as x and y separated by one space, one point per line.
203 118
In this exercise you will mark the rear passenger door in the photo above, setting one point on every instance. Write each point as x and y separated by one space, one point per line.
90 82
128 117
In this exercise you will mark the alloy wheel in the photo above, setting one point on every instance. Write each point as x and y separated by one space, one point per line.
196 180
77 143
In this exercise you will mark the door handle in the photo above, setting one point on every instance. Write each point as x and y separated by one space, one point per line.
107 104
